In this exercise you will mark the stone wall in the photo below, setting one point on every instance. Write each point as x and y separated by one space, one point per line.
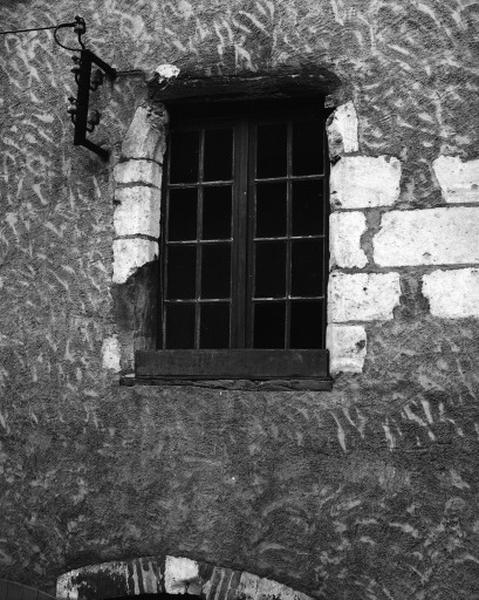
367 491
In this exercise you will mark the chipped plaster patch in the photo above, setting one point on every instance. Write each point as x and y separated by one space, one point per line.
110 352
459 180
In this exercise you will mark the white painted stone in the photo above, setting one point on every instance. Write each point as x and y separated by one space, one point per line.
434 236
180 574
110 352
362 296
459 180
343 129
347 348
452 294
131 254
146 135
138 171
345 231
365 181
137 211
167 71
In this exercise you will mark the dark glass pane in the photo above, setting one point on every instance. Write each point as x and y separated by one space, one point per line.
270 269
184 156
216 213
269 318
306 324
180 325
307 148
215 271
215 325
270 209
308 208
307 268
182 215
181 272
271 151
218 161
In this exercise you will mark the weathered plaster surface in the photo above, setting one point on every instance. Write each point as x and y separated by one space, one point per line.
369 491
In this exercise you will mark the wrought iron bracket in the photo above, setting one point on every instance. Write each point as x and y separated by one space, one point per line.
84 120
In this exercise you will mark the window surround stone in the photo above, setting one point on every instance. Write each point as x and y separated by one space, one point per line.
137 180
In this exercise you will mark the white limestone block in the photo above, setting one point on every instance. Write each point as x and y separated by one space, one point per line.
347 345
345 231
434 236
343 129
138 211
131 254
110 352
138 171
180 574
365 181
362 296
146 135
452 294
459 180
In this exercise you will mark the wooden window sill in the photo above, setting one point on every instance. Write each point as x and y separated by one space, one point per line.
233 369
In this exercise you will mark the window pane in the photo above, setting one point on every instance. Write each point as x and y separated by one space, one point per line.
307 265
270 269
216 213
180 325
308 208
182 215
184 157
271 150
215 272
307 148
270 209
306 324
215 325
269 319
181 272
218 155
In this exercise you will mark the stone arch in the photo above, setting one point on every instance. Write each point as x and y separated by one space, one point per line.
170 575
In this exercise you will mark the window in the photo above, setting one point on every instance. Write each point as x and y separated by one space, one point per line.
244 248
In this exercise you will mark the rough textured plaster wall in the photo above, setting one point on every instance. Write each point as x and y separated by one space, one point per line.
366 492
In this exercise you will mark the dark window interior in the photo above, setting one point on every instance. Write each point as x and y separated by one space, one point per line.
245 235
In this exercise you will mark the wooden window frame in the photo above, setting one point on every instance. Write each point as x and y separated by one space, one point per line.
241 361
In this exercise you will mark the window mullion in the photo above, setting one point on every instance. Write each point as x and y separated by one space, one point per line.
239 264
